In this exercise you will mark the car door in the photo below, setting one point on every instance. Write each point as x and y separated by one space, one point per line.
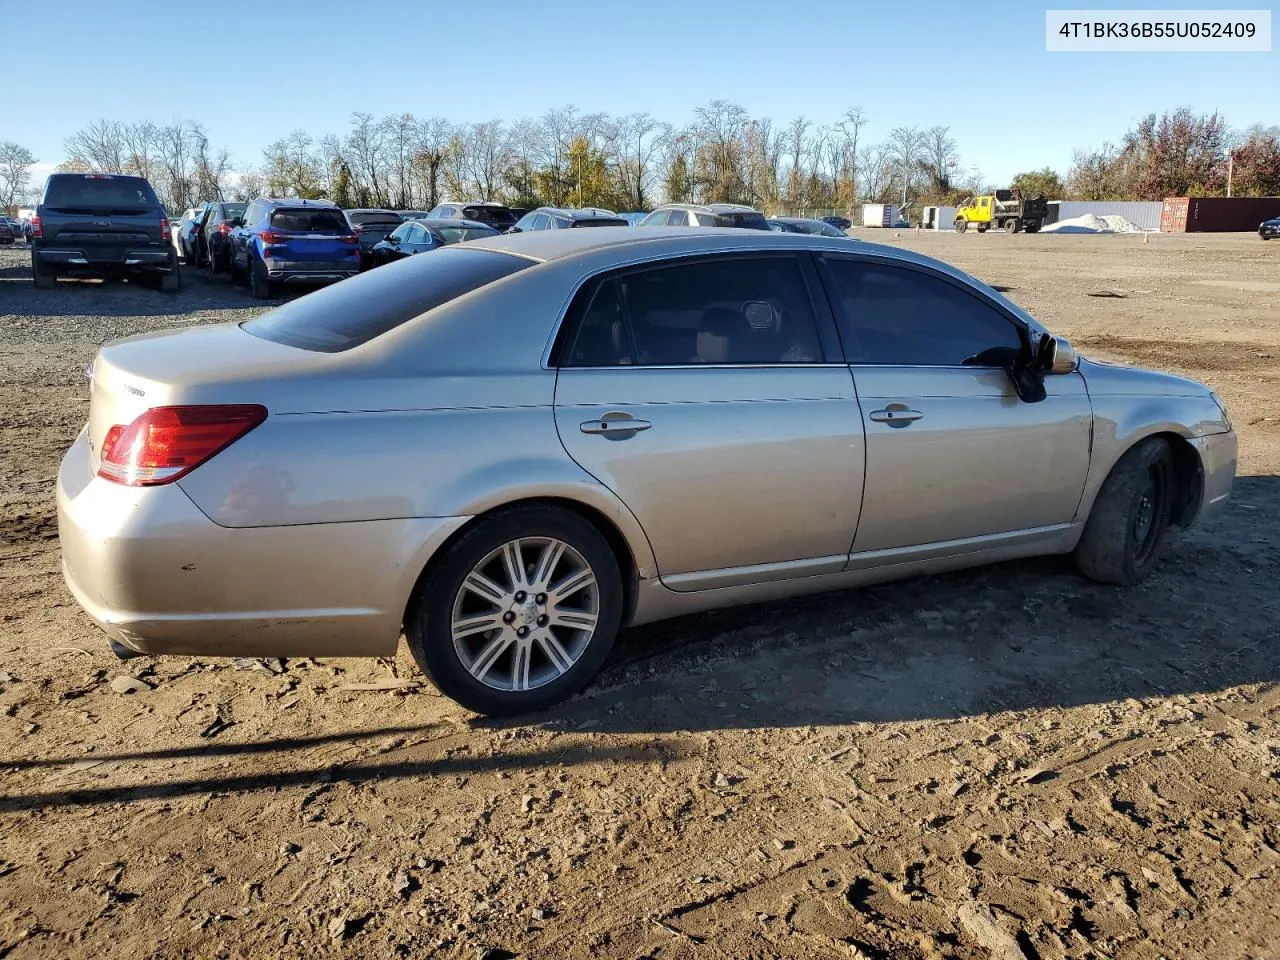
710 396
954 457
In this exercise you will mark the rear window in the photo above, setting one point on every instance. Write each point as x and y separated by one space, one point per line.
355 311
310 221
489 215
750 221
93 192
235 209
459 234
375 219
602 222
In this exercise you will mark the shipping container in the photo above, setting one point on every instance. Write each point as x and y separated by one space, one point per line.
1217 214
1141 213
938 218
879 215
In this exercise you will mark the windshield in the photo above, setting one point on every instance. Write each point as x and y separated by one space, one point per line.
310 221
355 311
99 193
235 209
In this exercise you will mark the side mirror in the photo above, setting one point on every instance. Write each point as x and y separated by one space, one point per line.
393 240
1062 356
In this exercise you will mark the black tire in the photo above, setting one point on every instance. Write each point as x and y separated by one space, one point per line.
43 280
1012 226
232 267
171 282
259 282
1125 534
961 225
1032 226
428 625
984 227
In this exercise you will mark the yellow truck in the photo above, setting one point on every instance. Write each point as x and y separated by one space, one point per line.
1004 208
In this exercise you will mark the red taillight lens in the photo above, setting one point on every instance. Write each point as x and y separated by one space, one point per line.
166 232
269 237
350 238
224 228
166 443
36 229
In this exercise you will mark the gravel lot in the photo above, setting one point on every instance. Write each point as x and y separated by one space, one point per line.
1010 763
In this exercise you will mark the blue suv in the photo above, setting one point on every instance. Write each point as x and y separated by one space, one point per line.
280 242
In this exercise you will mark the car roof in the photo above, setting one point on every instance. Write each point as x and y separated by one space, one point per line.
580 213
628 243
798 220
298 202
371 210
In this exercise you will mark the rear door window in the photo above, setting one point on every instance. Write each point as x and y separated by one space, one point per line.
749 221
356 311
300 220
739 310
678 218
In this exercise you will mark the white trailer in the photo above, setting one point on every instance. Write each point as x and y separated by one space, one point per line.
879 214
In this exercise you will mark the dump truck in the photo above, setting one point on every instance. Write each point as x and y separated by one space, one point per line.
1004 208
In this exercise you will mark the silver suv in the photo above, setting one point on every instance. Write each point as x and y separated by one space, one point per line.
706 215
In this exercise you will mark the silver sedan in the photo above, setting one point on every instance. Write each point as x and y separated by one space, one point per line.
516 446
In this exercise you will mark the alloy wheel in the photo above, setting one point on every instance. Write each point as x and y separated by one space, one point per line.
525 614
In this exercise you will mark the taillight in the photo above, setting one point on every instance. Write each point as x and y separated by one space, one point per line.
350 238
224 228
166 232
166 443
36 229
269 237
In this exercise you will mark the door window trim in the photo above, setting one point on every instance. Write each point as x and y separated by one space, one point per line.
571 315
836 304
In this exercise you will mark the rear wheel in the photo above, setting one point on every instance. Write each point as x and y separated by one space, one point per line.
171 282
519 613
1125 534
259 282
1031 226
43 279
983 227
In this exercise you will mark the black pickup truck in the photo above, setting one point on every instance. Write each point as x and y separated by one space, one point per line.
101 225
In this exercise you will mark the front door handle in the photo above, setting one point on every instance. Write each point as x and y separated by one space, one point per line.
896 415
615 426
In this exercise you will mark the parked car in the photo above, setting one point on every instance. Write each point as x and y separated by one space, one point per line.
292 242
419 236
7 232
184 234
1269 228
633 218
840 223
496 215
213 238
558 218
372 226
705 215
103 225
817 228
515 446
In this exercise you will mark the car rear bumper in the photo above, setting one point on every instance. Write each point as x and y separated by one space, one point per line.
299 271
115 258
160 577
1218 455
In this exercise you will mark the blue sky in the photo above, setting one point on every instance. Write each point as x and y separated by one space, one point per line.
904 63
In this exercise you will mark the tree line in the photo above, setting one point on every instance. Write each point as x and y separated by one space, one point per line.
568 157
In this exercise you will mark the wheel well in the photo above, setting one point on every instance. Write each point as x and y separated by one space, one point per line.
1188 477
617 542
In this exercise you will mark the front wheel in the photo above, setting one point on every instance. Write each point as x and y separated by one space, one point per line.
961 225
1125 534
519 613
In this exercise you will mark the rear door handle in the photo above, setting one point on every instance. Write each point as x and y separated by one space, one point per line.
896 415
615 426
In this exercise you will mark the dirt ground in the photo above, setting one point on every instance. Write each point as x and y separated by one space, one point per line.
1010 762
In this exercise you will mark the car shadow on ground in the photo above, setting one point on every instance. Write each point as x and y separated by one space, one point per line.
1030 635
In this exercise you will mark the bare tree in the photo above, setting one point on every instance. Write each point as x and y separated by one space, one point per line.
639 142
430 148
16 162
99 147
365 153
906 148
940 159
